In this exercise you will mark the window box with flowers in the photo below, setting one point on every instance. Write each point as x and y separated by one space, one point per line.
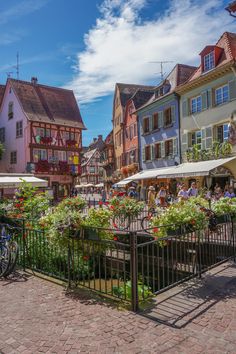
70 143
46 140
42 166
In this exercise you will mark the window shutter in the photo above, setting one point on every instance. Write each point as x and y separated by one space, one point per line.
203 132
209 136
143 154
173 114
160 119
204 100
232 90
175 147
150 123
141 126
185 108
184 142
209 98
152 152
162 149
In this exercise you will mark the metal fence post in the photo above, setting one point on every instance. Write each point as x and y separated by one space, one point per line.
233 236
23 242
134 270
69 264
199 257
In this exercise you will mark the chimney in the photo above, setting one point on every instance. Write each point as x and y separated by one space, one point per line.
34 80
94 140
99 137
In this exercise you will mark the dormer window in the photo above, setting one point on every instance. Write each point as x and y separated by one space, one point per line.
209 61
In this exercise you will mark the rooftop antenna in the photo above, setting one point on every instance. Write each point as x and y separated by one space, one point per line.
17 65
161 64
9 74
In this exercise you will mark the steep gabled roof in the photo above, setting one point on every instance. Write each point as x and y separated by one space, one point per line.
47 104
2 91
179 74
228 43
128 90
141 96
87 156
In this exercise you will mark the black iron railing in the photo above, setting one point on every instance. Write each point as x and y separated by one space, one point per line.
130 265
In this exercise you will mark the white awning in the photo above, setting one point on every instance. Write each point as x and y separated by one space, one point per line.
148 174
122 183
99 185
15 181
191 169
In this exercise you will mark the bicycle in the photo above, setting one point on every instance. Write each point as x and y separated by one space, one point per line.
9 251
146 220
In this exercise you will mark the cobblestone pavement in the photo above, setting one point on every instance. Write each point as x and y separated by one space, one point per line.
37 316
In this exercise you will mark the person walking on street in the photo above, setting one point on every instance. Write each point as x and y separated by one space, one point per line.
151 197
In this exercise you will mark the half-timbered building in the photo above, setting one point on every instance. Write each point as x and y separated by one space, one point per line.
41 130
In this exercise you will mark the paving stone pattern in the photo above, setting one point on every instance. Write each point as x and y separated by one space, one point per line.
37 316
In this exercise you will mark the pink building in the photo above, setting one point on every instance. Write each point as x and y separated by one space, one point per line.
41 130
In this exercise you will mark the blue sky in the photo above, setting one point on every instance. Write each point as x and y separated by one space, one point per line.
89 45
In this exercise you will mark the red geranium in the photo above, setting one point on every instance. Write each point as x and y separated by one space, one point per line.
156 230
85 258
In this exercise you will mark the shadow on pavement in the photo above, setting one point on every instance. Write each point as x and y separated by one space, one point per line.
181 305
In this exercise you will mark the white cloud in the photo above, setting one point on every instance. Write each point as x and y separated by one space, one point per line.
120 47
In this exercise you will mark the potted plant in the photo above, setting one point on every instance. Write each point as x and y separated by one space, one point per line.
223 208
125 207
179 218
96 224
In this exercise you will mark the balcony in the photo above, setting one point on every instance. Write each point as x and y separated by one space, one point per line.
60 168
42 142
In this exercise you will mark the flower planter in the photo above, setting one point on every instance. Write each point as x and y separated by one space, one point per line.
175 232
221 219
91 234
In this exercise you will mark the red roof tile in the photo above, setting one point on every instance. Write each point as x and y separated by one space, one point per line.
228 43
47 104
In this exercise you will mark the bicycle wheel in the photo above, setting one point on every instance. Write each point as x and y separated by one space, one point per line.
14 251
5 259
121 222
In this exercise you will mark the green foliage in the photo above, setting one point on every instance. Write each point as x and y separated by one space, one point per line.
99 218
61 221
218 150
126 206
185 213
125 291
224 206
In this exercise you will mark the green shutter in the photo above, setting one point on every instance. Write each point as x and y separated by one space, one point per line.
209 136
162 149
209 98
204 100
160 119
232 90
141 126
152 152
184 142
150 123
175 146
203 132
143 154
184 108
173 114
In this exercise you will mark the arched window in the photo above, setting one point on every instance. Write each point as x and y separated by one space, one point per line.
10 110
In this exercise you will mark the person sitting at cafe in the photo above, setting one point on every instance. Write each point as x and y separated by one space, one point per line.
183 193
230 193
193 191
